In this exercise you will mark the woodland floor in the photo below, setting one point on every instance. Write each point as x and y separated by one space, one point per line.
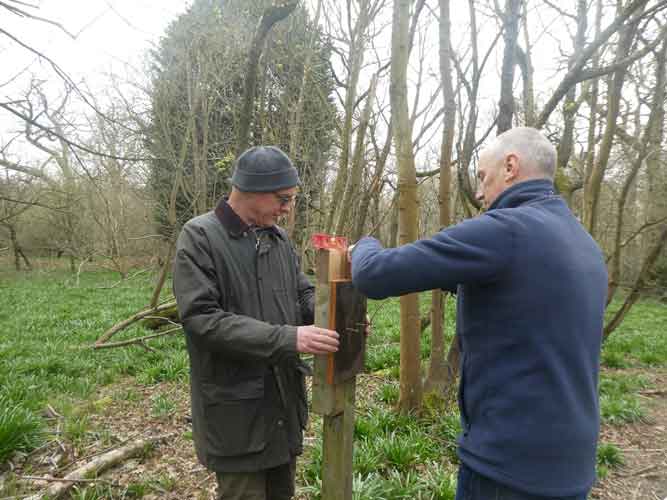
171 471
78 403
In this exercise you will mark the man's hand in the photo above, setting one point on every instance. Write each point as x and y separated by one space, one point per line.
314 340
349 253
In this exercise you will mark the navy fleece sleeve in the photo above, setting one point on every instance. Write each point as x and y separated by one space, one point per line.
475 251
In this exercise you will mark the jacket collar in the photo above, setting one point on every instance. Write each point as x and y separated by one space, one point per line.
234 225
523 192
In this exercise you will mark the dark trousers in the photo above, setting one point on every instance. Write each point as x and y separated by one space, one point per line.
472 486
270 484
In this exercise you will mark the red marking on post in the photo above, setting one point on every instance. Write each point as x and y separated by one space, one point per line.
323 241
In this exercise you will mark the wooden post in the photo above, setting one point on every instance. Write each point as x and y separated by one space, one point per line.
338 306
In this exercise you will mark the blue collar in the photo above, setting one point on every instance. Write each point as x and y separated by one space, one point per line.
524 192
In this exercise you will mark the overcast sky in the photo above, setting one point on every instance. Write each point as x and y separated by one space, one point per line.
109 35
113 36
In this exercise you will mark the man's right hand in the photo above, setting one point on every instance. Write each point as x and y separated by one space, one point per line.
311 339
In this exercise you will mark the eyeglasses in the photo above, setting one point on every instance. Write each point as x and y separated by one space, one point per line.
285 199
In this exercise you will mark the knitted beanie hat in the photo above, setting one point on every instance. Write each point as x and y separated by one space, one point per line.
263 169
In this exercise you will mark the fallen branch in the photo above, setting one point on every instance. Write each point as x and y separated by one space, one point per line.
654 392
118 327
125 280
641 472
95 466
63 480
139 340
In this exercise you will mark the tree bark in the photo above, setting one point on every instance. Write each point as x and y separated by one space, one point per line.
635 293
525 61
358 163
271 16
650 147
571 105
356 56
511 35
375 189
594 184
410 379
436 377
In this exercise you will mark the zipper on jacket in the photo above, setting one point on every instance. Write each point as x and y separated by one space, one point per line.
258 245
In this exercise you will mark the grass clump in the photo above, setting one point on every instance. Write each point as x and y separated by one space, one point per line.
609 456
618 401
20 429
162 406
389 394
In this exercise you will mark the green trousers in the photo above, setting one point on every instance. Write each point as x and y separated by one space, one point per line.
270 484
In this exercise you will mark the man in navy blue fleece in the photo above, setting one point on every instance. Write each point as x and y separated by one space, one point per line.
531 286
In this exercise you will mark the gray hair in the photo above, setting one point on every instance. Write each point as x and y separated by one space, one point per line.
531 146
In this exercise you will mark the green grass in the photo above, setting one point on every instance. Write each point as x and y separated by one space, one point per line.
162 406
20 429
639 341
619 403
48 326
609 456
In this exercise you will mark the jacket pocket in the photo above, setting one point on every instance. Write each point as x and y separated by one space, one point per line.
234 419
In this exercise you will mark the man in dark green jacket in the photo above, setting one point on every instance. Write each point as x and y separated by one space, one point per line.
240 297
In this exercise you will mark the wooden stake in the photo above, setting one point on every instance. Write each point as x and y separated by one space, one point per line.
333 400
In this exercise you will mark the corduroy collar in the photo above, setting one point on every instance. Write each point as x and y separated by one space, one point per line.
236 227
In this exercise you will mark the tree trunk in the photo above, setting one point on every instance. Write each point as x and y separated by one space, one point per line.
357 46
528 73
594 184
354 179
410 378
16 249
570 105
393 227
593 107
375 189
271 16
162 277
437 369
511 35
635 293
297 122
655 200
465 156
649 145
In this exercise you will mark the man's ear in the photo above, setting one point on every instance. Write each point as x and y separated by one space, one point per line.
511 168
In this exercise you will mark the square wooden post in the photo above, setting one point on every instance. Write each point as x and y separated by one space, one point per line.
339 307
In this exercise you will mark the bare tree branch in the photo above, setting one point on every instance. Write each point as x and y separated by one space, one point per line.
23 13
31 203
65 77
67 141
